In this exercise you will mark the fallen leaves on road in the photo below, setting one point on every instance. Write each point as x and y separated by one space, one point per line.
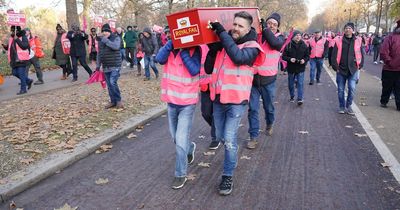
191 177
3 181
245 157
202 137
360 134
102 181
27 161
209 153
67 207
141 206
104 148
348 126
206 165
303 132
363 104
380 126
131 136
386 165
317 99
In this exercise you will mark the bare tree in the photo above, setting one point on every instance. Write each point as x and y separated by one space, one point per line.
72 12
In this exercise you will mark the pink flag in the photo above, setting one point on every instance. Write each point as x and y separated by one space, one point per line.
84 23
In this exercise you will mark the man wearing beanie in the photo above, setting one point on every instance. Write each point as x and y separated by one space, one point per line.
390 54
130 39
347 58
263 86
296 54
78 50
319 48
110 58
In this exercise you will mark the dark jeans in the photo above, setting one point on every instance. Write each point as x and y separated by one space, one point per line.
377 48
316 63
112 76
36 64
139 66
67 68
131 55
207 112
149 61
21 74
82 60
390 83
329 55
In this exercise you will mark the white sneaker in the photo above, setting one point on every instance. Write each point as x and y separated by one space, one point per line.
128 64
375 62
381 61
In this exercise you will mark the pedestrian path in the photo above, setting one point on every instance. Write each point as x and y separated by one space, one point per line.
52 81
314 160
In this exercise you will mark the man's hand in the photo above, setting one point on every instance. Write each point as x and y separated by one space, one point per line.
263 24
293 60
217 27
302 61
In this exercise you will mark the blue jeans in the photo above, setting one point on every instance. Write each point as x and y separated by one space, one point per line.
112 84
149 60
122 52
180 119
299 83
315 62
227 119
267 93
351 84
207 112
22 75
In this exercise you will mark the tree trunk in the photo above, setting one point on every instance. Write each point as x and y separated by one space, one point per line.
170 4
72 13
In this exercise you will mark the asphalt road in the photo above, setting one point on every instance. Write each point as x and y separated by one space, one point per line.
326 167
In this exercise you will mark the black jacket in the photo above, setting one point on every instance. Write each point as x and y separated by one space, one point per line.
23 44
298 51
275 43
377 40
244 56
77 43
109 54
347 63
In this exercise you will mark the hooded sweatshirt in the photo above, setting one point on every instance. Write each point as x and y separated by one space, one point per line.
390 51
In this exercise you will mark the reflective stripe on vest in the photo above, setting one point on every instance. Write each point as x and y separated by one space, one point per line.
22 55
231 81
177 85
317 48
357 50
271 63
205 78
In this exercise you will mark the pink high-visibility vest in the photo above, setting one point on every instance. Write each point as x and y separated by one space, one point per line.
205 78
231 81
96 44
317 48
271 63
178 86
357 49
22 55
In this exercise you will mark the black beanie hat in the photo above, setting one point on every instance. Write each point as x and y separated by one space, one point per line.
350 24
276 17
398 24
106 27
295 32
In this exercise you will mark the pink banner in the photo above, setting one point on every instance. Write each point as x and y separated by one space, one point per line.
16 19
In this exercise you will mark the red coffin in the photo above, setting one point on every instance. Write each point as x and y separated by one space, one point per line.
190 28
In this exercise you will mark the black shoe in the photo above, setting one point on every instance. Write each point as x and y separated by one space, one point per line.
21 92
318 81
214 145
30 84
156 76
178 182
311 83
74 80
299 102
39 82
190 156
291 100
226 186
384 105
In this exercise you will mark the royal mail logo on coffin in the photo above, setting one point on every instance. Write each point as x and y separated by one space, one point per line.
185 30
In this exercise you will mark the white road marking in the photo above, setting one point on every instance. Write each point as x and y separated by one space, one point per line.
383 150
